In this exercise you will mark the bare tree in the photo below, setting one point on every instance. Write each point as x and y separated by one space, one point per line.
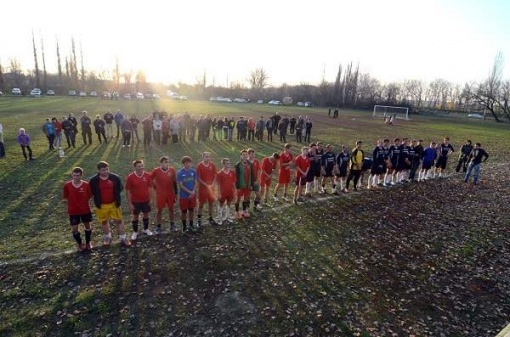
140 81
414 91
390 93
2 82
258 80
16 70
369 89
487 93
36 71
45 74
116 74
82 71
127 76
505 98
338 85
59 64
74 64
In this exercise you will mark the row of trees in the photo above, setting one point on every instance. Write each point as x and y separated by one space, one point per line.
351 87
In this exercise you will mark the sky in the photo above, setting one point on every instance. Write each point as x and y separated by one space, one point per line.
294 41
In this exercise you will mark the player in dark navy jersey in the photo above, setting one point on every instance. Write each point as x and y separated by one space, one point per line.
378 165
342 163
444 151
328 164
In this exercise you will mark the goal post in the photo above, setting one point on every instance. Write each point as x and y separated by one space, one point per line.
383 111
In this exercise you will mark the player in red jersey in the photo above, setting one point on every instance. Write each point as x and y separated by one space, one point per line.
138 192
78 194
286 159
226 180
266 174
164 182
206 177
255 184
302 166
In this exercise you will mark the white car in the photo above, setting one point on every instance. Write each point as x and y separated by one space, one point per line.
36 92
50 92
82 93
139 96
127 97
16 91
274 102
300 104
93 94
240 100
260 101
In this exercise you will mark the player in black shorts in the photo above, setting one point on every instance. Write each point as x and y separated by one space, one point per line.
342 163
378 165
328 164
444 151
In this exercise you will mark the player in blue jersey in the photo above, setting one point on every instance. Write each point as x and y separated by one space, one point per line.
187 181
429 156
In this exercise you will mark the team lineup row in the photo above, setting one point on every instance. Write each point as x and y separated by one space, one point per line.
193 187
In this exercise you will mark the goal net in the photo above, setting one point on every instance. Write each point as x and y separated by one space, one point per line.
385 111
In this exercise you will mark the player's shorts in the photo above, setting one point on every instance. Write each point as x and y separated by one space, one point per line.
75 220
284 177
141 207
310 176
265 183
243 194
205 195
187 203
427 164
401 166
441 162
107 212
394 165
342 172
367 164
227 197
163 201
301 180
377 169
328 172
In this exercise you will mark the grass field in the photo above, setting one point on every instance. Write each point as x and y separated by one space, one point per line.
421 259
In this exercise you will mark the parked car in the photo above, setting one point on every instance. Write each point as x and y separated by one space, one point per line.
50 92
139 96
155 96
127 96
260 101
309 104
93 94
36 92
72 92
240 100
1 93
274 102
300 104
82 93
148 96
16 92
183 98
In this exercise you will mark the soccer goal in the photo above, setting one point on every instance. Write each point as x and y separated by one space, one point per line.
385 111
